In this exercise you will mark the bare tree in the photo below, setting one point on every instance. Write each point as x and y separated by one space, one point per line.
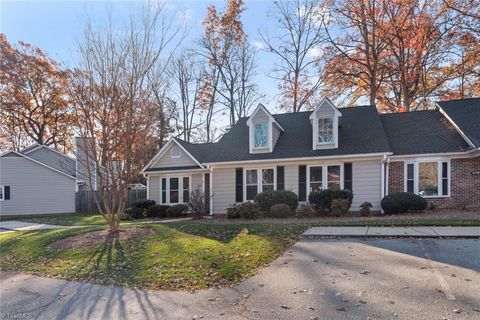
297 46
112 97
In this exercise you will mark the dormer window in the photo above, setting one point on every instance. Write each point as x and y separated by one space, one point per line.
325 130
261 135
263 130
325 120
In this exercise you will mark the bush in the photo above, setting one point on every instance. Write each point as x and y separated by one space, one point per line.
157 211
197 203
267 199
280 211
178 210
143 204
365 209
339 207
322 200
246 210
134 213
305 211
403 202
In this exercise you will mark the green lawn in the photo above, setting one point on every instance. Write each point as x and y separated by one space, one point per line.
177 256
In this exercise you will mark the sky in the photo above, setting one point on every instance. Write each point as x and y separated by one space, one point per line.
56 27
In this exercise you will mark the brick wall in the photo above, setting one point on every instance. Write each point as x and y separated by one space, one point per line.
465 184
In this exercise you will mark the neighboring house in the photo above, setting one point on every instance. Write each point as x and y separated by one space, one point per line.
40 180
433 153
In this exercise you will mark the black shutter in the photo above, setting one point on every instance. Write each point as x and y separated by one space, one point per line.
347 176
302 183
280 178
7 193
239 185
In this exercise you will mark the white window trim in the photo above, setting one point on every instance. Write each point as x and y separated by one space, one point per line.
259 180
180 188
325 175
439 177
179 152
3 192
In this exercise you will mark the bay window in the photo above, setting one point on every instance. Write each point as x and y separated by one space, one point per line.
428 178
186 189
325 130
268 180
164 190
333 177
316 183
261 135
174 190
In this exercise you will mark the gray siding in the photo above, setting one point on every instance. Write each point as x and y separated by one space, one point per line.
197 181
260 116
35 189
275 135
325 111
291 178
366 184
167 161
54 160
223 189
154 188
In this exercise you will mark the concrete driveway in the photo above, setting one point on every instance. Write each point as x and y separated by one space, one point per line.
316 279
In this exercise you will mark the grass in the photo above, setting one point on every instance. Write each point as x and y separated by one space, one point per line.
177 256
63 220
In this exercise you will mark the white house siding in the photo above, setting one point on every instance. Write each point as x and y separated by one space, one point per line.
223 189
53 159
275 135
365 174
35 189
167 161
197 181
154 188
366 183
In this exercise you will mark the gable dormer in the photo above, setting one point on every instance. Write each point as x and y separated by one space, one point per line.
325 120
263 131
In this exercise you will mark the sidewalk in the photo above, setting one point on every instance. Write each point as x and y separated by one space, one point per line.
370 232
13 225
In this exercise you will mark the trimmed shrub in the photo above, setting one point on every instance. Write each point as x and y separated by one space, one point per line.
365 209
280 211
135 213
267 199
403 202
339 207
178 210
305 211
246 210
322 200
143 204
157 211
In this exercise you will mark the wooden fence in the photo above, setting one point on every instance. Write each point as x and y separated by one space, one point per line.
85 203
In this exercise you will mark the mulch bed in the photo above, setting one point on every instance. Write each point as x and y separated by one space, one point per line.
94 238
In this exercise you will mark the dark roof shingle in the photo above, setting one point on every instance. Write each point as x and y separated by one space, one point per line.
421 132
465 113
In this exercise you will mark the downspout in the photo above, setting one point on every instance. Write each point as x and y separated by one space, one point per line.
382 178
210 195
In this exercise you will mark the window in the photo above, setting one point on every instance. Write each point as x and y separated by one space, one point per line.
428 178
173 190
410 178
251 184
186 189
333 177
268 180
316 181
2 192
325 130
261 135
164 190
175 152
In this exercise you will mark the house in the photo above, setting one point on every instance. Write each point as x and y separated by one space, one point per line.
41 180
434 153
